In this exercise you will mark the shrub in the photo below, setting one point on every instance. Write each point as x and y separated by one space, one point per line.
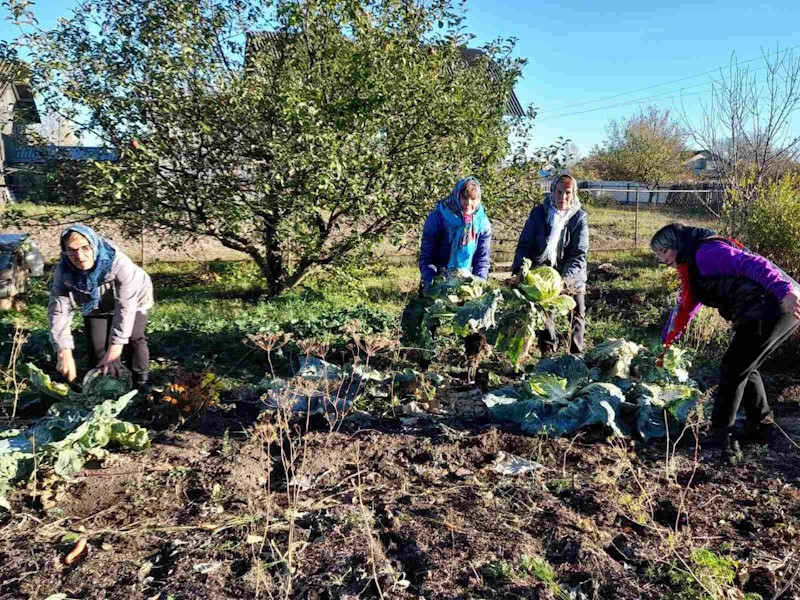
772 224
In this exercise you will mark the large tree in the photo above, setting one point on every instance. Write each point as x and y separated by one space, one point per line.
301 147
646 147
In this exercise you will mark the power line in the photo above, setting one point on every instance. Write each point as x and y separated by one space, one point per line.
549 110
626 103
645 99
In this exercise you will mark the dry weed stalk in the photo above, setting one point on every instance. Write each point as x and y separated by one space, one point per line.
693 423
283 432
669 537
311 346
790 574
365 519
269 343
9 375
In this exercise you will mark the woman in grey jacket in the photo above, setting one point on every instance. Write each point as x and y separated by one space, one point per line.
112 293
557 234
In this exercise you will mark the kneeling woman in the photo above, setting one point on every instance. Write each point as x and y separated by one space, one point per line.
112 293
761 301
457 235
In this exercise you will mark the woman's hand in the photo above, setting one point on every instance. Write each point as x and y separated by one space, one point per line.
791 304
514 280
110 363
65 364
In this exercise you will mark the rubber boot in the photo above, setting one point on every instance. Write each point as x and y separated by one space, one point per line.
761 432
141 381
731 450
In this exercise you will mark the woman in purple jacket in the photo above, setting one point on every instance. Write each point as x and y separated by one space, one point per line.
760 300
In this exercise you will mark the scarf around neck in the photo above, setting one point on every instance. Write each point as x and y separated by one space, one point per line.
87 281
557 219
463 230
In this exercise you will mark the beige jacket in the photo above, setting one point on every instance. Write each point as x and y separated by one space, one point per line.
126 290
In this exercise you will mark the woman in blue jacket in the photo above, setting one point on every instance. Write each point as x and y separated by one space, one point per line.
457 234
557 234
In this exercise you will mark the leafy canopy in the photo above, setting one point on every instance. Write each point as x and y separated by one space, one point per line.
646 147
301 148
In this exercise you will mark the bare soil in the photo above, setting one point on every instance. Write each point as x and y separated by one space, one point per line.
205 248
402 507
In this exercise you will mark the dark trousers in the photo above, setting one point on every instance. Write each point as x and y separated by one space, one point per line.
135 354
548 341
740 382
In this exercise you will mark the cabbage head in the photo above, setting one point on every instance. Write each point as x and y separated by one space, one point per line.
541 284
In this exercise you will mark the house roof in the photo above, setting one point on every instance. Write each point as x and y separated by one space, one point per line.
34 154
260 41
13 74
472 55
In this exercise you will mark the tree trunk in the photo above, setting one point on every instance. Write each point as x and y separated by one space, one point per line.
271 264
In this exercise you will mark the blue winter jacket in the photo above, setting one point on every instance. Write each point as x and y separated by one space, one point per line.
434 252
572 248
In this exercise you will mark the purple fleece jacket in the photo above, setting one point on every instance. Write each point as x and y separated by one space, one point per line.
717 258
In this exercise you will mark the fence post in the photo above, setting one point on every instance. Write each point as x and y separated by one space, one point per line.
636 222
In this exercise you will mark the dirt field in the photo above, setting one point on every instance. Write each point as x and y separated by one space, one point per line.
407 508
203 249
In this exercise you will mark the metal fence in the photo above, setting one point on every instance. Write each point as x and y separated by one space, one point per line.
625 218
642 211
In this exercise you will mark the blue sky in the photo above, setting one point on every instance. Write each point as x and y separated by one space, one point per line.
586 51
582 52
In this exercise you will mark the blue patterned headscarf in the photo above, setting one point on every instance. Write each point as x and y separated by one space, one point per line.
87 281
463 231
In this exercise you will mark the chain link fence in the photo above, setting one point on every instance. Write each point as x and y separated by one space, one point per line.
623 216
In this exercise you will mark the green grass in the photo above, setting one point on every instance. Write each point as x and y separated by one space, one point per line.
204 310
633 304
709 575
614 228
499 571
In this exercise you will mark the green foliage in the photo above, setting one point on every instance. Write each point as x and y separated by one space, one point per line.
498 571
478 315
674 366
613 356
557 398
542 570
71 432
548 386
540 284
772 223
42 382
570 367
516 332
646 147
711 576
457 286
459 303
302 148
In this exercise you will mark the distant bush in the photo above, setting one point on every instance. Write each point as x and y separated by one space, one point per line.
598 199
772 223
